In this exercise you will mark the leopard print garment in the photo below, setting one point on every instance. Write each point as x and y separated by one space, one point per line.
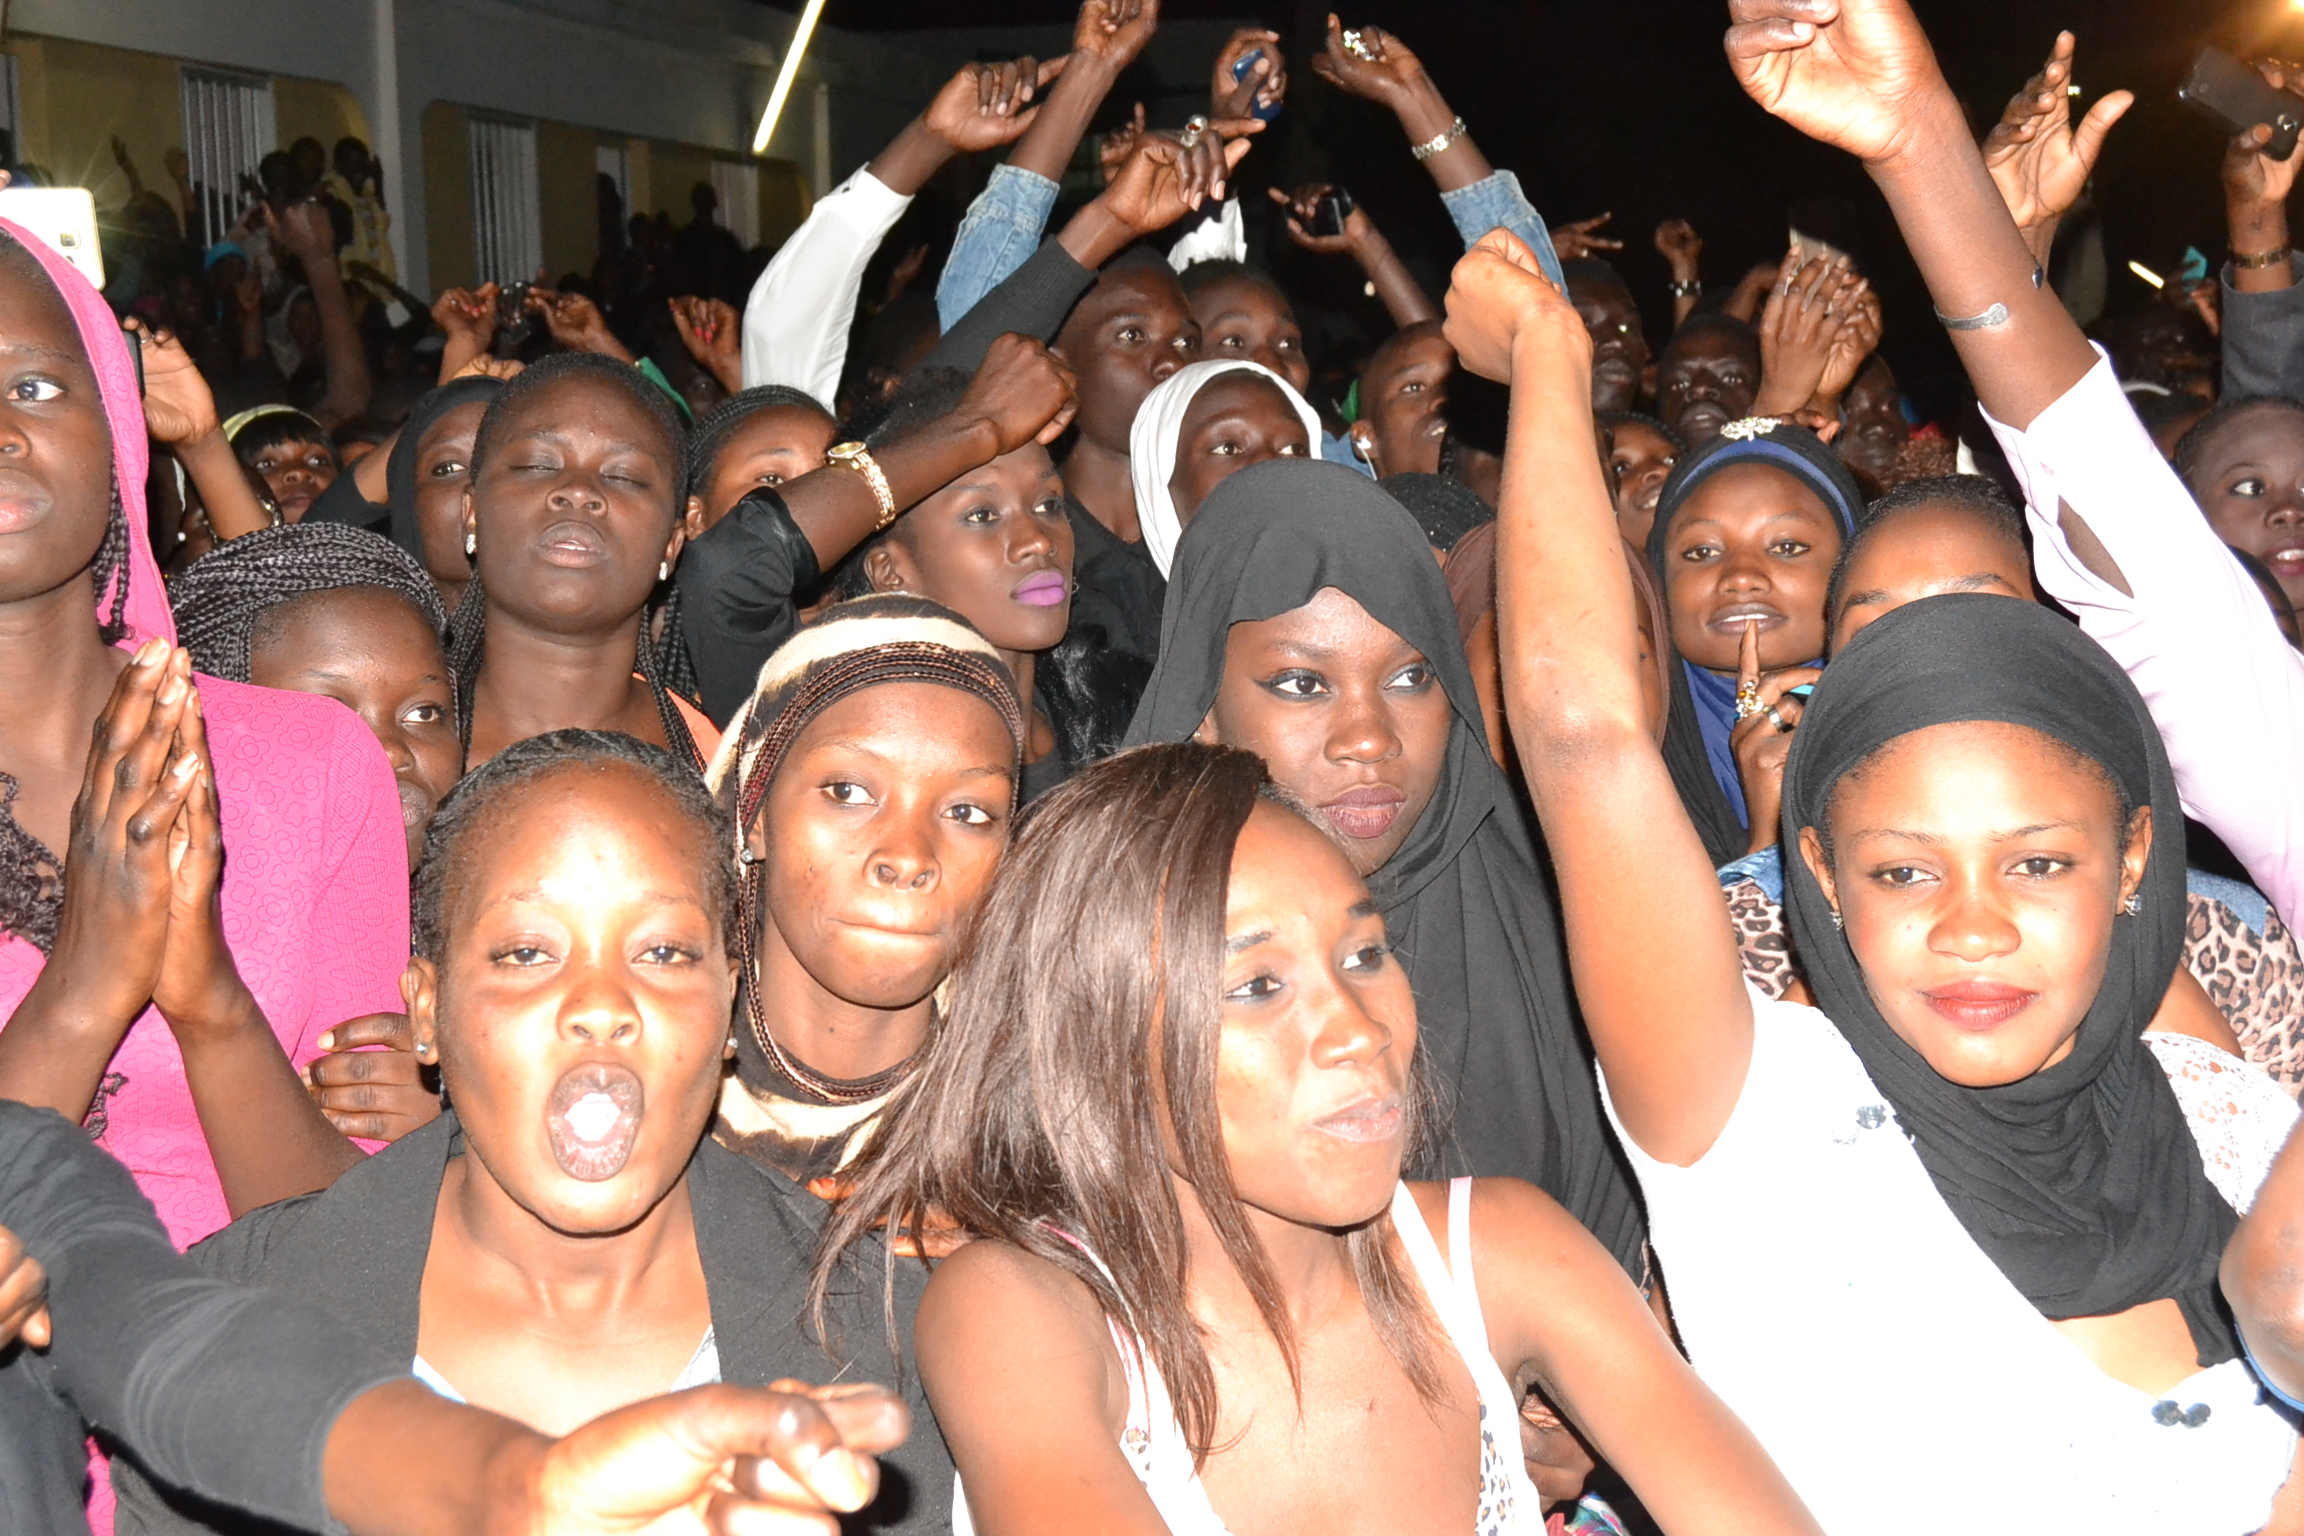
2256 983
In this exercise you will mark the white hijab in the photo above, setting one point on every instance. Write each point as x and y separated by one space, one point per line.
1153 442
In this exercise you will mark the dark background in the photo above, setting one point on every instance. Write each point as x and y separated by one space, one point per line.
1628 106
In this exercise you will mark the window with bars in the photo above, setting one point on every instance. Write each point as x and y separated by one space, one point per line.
738 188
507 227
228 130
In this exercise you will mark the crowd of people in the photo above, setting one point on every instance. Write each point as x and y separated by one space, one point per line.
1569 935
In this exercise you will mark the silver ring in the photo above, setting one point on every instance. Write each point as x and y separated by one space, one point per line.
1782 725
1194 126
1353 44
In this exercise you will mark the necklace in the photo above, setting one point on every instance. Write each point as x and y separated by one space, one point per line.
829 1090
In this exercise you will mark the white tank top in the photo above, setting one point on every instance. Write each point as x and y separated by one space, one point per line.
1153 1439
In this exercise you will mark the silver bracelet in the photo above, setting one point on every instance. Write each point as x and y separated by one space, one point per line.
1439 142
1997 315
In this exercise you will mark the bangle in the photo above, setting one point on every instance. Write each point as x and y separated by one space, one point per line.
854 456
1439 142
1693 288
1996 316
2261 259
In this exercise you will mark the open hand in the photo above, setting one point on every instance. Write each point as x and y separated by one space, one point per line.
1381 69
773 1461
1162 179
1582 238
178 406
23 1295
1857 339
2038 157
713 333
117 880
1806 309
1849 73
1024 391
375 1094
1114 32
1498 299
987 105
1265 84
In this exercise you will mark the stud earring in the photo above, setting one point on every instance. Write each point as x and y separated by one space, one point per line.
1839 923
423 1050
471 544
746 856
2134 904
663 570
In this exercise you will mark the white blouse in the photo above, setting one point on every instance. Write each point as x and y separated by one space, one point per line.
1829 1295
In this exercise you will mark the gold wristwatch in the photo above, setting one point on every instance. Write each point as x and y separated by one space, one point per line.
856 457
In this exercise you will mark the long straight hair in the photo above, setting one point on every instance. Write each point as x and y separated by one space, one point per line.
1085 1015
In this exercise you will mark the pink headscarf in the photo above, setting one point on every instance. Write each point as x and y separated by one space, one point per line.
147 613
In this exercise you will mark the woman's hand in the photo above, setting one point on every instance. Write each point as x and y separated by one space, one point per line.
1303 206
1111 33
713 333
2250 175
1857 339
198 990
1499 300
178 407
1849 73
1022 391
1263 86
23 1295
987 105
1113 149
1381 68
1582 238
1762 741
576 323
468 315
2038 158
118 875
1159 182
1799 328
378 1095
1679 244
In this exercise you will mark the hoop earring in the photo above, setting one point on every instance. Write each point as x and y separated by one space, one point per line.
471 544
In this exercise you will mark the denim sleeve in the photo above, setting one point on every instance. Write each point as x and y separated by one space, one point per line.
1496 202
1002 228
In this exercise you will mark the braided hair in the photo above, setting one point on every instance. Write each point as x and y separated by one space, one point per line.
713 430
468 637
225 600
32 873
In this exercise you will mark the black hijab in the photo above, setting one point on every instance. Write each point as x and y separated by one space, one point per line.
1465 899
400 469
2082 1181
1796 451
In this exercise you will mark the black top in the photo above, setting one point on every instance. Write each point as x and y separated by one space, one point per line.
1031 301
214 1388
1118 589
359 1247
1466 899
737 581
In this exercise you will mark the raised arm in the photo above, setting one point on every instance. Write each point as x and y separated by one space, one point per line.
2039 158
1655 962
2263 307
305 232
1373 63
1403 297
180 412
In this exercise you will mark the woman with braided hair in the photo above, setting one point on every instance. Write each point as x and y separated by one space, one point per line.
167 1003
343 613
870 782
571 518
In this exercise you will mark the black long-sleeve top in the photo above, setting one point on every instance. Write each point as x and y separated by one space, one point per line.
214 1388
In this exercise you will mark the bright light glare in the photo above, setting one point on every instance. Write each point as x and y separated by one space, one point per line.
790 71
2146 273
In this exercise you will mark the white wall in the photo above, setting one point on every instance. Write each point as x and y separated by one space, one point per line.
696 71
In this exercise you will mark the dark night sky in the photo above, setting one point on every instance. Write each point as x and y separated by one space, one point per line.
1628 105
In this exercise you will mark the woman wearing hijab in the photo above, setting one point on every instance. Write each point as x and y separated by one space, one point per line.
1307 622
1962 1189
1745 535
1200 425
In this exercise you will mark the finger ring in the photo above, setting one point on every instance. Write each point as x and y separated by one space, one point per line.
1353 44
1782 725
1747 700
1194 126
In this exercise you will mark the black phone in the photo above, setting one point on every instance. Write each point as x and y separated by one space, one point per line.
2236 98
514 321
1330 212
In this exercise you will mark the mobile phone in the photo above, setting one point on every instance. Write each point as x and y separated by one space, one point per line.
1330 212
1800 691
514 323
64 218
2236 98
1262 111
